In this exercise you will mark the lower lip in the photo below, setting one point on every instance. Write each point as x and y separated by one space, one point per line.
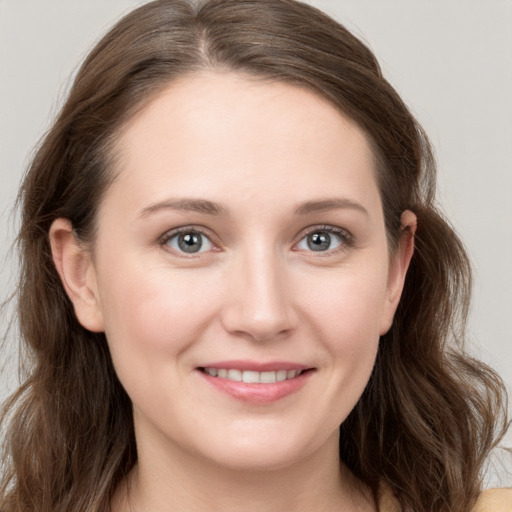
258 393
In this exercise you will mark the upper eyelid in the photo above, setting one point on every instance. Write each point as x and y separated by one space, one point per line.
186 229
324 227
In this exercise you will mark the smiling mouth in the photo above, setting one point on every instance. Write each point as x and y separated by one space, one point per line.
253 377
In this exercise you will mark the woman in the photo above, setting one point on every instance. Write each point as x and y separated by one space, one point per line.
229 250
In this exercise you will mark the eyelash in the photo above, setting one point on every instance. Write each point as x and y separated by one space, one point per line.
345 238
185 230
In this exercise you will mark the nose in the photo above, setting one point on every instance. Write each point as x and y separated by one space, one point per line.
259 305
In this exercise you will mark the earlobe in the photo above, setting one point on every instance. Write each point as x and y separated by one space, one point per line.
399 265
76 270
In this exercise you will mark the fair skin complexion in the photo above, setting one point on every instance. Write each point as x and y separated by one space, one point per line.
244 231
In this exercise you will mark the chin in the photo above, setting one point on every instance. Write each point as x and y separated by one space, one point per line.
259 460
268 452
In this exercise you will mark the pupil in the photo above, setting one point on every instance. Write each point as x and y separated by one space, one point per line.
319 241
190 242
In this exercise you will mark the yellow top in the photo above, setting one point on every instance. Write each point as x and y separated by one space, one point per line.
493 500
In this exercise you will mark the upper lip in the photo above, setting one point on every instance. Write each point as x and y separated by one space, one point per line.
256 366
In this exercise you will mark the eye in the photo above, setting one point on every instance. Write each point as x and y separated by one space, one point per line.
188 241
324 240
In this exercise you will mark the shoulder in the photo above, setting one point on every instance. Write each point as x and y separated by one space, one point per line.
494 500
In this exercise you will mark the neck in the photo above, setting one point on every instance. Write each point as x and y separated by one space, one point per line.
179 481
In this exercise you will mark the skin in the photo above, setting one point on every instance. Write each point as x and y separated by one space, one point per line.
261 151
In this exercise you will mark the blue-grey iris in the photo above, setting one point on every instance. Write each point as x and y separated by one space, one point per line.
319 241
190 242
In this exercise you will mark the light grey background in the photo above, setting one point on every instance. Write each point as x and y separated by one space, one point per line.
451 60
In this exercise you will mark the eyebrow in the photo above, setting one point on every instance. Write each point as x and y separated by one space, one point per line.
191 205
325 205
210 208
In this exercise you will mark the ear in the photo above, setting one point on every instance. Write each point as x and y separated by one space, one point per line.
76 270
399 264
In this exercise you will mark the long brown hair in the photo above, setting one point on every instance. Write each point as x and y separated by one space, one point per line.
430 414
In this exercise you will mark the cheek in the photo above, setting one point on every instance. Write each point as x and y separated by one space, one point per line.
348 306
154 311
151 319
351 326
345 315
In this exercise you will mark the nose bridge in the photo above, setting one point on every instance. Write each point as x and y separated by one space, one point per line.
259 304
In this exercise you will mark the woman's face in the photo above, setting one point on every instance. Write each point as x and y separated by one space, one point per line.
242 239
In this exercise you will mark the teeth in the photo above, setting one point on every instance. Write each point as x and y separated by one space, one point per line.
252 377
268 377
280 375
235 375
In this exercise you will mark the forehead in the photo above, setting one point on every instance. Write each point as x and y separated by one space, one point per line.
210 133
